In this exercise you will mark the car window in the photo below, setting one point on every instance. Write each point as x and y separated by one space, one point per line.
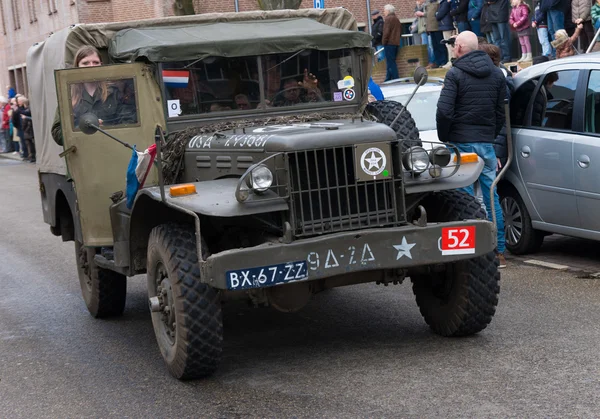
113 102
211 85
310 76
519 101
592 103
555 99
422 107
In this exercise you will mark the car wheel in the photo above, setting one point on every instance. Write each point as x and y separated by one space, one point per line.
521 237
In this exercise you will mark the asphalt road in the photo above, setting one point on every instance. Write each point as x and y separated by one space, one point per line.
361 351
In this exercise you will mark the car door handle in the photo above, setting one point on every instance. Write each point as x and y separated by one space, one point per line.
583 161
525 151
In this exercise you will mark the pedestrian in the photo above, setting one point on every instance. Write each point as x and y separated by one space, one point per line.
15 120
4 131
27 125
595 13
422 30
440 55
377 32
519 21
539 22
498 13
580 13
563 44
10 91
485 25
470 115
460 15
446 25
19 114
474 16
555 15
392 29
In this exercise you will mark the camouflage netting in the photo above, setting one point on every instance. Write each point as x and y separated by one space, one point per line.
174 150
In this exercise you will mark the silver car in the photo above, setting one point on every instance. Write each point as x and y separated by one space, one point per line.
553 185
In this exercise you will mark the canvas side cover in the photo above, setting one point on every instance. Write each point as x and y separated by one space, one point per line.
97 163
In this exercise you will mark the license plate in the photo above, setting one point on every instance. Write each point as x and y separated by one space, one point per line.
458 240
264 276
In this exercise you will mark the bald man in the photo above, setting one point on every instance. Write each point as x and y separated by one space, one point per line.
470 115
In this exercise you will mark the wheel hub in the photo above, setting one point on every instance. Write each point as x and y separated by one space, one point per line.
166 303
513 220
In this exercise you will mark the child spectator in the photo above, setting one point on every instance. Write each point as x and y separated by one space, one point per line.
563 44
519 21
539 22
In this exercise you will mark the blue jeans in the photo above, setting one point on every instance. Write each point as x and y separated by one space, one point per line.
501 34
556 21
597 24
430 53
476 27
390 62
463 26
490 38
544 41
487 176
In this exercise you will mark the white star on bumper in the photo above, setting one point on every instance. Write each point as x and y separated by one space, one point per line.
404 249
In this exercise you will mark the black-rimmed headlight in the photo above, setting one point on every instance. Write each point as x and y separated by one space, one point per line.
261 178
440 156
415 160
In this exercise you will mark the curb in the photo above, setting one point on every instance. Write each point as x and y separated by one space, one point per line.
552 266
11 156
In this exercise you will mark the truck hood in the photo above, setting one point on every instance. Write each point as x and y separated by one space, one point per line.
294 137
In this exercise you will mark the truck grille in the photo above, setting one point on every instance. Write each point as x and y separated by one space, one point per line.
325 196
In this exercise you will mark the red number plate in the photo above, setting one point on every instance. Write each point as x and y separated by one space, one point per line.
458 240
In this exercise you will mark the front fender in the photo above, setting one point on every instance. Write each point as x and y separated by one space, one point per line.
216 198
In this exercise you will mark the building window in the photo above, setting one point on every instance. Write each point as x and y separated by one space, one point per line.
3 18
16 16
32 14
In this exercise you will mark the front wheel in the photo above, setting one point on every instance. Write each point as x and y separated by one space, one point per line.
189 325
104 291
461 298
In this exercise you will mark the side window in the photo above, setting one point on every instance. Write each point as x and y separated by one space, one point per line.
519 102
554 101
592 103
114 102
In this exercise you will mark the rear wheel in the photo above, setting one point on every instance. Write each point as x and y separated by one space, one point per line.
460 298
385 111
521 237
188 326
104 291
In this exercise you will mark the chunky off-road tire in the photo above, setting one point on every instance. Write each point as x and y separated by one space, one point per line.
104 291
461 299
521 237
385 111
190 331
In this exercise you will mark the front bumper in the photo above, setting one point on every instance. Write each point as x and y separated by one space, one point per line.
364 250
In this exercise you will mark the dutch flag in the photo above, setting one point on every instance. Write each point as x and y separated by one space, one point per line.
176 78
139 167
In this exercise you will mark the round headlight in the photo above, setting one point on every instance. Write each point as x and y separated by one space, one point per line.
262 178
415 160
440 156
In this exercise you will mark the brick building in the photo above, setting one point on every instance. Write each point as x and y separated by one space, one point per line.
24 22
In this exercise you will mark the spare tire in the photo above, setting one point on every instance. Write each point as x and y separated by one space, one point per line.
385 111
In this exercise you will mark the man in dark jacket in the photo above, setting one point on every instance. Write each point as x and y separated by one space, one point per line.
460 15
498 13
470 114
392 30
377 29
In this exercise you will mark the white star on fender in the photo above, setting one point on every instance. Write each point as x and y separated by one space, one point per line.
373 161
404 249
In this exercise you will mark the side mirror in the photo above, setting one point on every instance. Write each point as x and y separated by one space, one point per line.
89 123
420 75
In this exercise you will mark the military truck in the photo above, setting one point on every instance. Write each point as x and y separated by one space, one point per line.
275 177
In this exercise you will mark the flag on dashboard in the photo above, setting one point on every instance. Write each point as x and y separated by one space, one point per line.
139 167
176 78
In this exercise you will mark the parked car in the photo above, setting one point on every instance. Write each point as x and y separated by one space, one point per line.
553 184
422 107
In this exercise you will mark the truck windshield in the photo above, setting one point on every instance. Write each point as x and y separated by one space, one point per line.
233 84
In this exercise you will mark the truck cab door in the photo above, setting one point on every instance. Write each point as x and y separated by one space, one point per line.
127 100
